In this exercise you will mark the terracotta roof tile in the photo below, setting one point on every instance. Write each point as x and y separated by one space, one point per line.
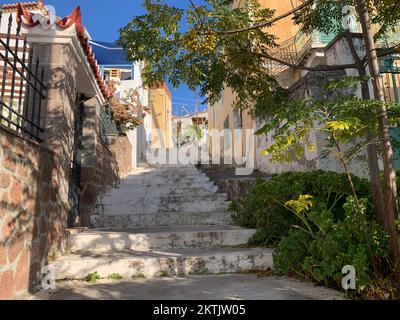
27 5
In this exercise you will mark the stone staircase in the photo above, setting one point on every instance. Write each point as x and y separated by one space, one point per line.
162 221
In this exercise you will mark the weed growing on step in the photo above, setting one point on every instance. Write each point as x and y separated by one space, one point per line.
93 277
115 277
139 276
164 274
259 273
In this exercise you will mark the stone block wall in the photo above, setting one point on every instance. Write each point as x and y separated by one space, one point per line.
311 85
33 211
35 178
236 188
121 149
104 161
97 177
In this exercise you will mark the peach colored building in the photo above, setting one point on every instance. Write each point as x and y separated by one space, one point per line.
160 103
308 50
222 115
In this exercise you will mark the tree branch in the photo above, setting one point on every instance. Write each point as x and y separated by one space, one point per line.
197 12
265 23
388 51
383 52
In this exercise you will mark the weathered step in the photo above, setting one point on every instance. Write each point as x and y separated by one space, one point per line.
162 219
158 238
158 184
175 197
168 179
150 206
194 196
162 263
194 205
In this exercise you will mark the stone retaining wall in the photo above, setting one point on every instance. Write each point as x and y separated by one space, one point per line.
96 177
236 188
33 211
121 149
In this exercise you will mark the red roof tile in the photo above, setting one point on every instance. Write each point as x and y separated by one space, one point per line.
27 5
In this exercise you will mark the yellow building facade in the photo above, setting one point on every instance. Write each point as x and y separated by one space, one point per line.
160 103
222 115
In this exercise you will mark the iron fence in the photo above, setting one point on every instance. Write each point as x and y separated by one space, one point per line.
390 78
107 124
295 49
22 86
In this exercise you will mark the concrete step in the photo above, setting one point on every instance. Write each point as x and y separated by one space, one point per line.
178 196
162 219
194 197
194 205
167 179
160 189
158 238
162 263
160 184
151 206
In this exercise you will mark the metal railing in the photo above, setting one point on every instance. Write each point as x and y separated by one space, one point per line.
107 123
22 86
294 49
390 79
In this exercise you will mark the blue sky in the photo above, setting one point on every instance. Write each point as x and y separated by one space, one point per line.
103 18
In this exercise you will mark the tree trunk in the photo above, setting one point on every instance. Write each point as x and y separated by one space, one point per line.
390 183
372 150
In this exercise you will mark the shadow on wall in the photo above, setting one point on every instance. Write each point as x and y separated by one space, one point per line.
34 188
98 175
33 212
113 161
35 181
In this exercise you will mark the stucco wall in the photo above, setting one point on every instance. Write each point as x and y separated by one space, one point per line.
160 103
312 84
223 112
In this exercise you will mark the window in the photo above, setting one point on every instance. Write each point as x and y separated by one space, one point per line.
227 133
115 74
238 119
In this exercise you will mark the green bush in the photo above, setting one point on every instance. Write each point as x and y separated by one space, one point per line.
264 208
320 252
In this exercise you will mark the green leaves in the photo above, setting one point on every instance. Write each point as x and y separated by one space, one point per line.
93 277
188 46
346 82
264 207
337 243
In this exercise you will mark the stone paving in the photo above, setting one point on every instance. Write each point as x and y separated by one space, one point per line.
220 287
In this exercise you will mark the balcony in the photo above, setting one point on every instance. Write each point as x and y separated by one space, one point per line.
295 49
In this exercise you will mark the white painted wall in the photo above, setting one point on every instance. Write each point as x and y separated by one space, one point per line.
140 137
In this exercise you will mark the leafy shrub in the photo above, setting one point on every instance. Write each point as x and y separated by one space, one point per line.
264 207
320 246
